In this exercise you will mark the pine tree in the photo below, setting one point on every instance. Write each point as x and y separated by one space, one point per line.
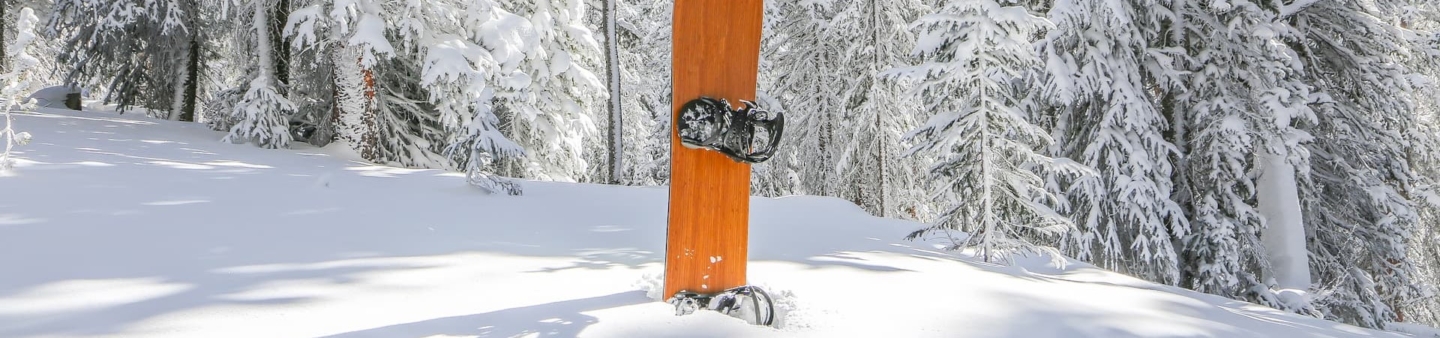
1360 202
460 73
366 88
877 112
262 114
553 114
1105 115
644 63
803 61
142 53
780 175
1419 26
313 87
975 52
20 78
1219 207
845 123
1234 117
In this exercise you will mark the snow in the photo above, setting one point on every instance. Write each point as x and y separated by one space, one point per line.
1417 330
122 226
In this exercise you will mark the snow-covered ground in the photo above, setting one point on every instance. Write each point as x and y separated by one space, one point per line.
122 226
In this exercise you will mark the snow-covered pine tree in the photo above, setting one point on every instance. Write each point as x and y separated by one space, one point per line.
843 137
411 131
460 73
366 85
1238 108
1418 23
802 61
228 63
597 153
19 79
141 53
1360 200
987 164
312 84
262 114
1103 64
778 176
554 114
46 46
877 112
643 31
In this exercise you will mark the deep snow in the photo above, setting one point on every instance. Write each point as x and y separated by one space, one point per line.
122 226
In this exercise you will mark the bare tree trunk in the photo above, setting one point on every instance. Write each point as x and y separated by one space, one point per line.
278 16
617 122
192 81
875 83
183 109
4 26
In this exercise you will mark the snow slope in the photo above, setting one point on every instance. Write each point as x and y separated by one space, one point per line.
121 226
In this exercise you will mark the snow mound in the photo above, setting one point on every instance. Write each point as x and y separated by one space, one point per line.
53 97
121 226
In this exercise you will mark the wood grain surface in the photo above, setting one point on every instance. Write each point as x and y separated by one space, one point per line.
716 53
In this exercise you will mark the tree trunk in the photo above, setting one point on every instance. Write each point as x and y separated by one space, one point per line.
356 113
177 93
612 68
875 83
182 104
369 119
278 16
4 25
192 81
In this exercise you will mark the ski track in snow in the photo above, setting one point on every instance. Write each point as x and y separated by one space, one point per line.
121 226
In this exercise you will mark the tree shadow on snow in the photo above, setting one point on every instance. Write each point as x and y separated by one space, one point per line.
194 290
1167 315
558 319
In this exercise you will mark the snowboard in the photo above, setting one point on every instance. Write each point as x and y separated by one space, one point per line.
715 54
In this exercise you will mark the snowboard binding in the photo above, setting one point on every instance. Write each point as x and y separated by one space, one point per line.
732 302
708 123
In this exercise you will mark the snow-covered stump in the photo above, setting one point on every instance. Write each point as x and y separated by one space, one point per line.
56 97
1284 234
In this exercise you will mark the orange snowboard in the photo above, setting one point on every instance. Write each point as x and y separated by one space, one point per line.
716 53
